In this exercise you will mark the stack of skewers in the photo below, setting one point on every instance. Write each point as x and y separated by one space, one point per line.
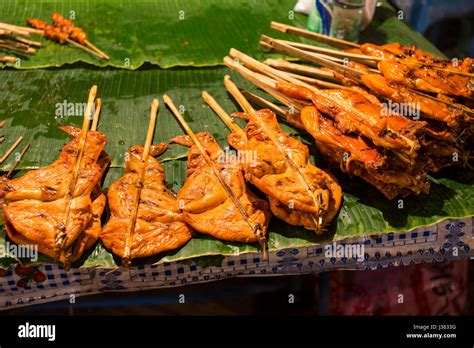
388 114
16 39
62 31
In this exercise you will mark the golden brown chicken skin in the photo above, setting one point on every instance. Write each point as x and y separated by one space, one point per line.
159 225
35 205
300 194
206 205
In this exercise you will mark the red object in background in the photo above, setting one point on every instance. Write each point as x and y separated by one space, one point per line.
39 277
426 289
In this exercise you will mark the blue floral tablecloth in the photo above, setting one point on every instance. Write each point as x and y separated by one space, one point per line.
448 240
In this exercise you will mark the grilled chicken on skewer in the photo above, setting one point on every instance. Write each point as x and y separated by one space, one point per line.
159 225
145 219
289 199
75 33
239 206
56 34
35 203
411 54
356 156
428 80
205 204
393 132
299 193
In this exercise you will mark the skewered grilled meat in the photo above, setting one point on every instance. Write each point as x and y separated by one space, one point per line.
301 195
356 156
206 205
159 226
428 79
430 108
353 152
50 31
395 51
67 26
356 113
35 204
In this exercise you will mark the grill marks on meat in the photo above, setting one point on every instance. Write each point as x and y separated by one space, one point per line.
395 133
159 226
36 204
205 204
356 151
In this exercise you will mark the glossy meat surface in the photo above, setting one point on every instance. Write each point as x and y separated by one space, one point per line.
310 196
159 225
36 204
206 205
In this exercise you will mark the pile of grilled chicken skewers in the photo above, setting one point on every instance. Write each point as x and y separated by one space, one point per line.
354 123
59 207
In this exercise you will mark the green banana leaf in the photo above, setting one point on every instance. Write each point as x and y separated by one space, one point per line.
177 32
33 97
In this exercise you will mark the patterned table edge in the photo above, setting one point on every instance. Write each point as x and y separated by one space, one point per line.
451 239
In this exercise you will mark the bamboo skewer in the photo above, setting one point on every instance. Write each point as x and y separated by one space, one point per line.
127 257
264 103
263 82
17 46
18 160
332 52
15 29
235 92
234 127
306 70
93 128
284 28
26 41
298 68
342 44
10 150
7 59
82 47
255 228
102 54
61 237
296 52
95 121
25 31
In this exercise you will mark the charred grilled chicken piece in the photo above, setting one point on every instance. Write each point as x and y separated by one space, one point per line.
50 31
429 108
355 113
395 51
427 79
356 156
35 204
159 226
272 174
68 27
205 204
